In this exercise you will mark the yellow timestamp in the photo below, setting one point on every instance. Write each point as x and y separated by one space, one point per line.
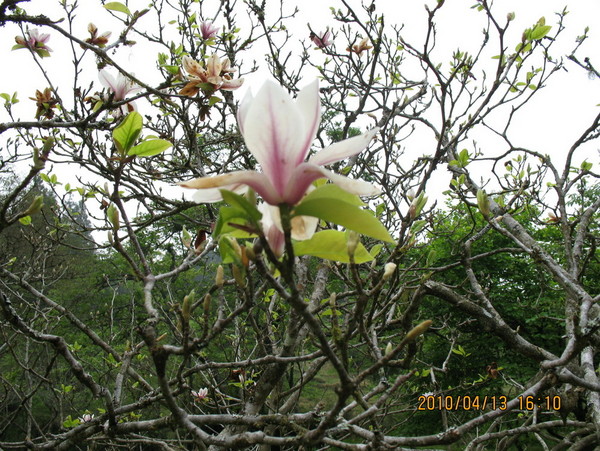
460 402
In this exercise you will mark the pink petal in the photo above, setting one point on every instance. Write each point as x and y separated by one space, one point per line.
309 103
107 80
230 85
209 186
343 149
307 173
242 111
274 131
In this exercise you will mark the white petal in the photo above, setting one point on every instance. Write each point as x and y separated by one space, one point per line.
107 80
358 187
343 149
233 181
309 104
274 133
242 111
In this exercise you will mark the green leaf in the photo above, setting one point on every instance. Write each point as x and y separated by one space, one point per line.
539 32
344 214
240 202
150 147
118 6
332 191
331 245
127 133
231 215
25 220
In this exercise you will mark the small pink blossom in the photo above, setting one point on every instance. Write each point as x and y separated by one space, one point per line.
322 40
36 42
200 395
208 30
216 75
279 132
120 87
86 418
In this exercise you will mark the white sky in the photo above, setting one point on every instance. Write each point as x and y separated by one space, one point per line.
549 124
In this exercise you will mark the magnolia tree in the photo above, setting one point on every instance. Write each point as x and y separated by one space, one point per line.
186 267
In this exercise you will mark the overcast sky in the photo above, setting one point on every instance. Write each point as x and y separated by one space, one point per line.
550 123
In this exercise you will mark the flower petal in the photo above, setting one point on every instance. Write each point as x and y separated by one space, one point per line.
309 104
273 129
343 149
307 173
193 67
107 80
230 85
233 181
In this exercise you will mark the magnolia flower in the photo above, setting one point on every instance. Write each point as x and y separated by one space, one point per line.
120 87
45 102
200 395
208 30
36 43
303 228
279 132
216 75
322 40
86 418
95 39
360 47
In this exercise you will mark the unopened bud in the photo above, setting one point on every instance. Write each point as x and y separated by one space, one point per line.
110 238
510 16
250 253
220 277
35 206
200 248
388 270
388 349
113 216
483 202
206 303
186 238
418 330
332 300
238 276
245 261
410 194
353 239
186 308
417 205
92 28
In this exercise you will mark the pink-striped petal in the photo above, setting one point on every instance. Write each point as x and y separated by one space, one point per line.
309 104
307 173
258 182
274 132
343 149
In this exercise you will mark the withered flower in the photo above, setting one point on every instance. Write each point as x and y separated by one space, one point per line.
360 47
94 39
216 75
45 103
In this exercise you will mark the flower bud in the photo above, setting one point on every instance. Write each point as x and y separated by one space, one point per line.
186 238
388 349
206 304
510 16
220 278
353 239
113 216
110 238
35 207
418 330
388 270
186 308
238 276
332 300
483 202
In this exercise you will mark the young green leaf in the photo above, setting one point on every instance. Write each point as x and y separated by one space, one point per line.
119 7
127 133
331 245
150 147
